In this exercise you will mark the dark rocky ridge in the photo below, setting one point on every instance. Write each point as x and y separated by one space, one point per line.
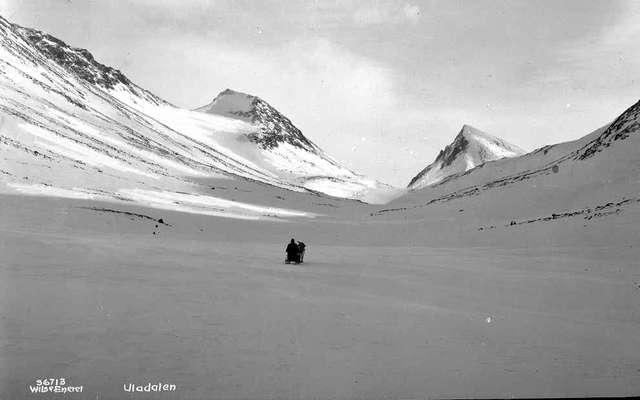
79 62
76 60
626 124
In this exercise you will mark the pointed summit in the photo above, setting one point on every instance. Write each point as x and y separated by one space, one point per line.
273 127
230 103
470 148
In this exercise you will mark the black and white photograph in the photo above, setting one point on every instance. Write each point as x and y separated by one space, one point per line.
319 199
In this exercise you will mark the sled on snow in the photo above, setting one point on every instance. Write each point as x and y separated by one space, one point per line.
290 261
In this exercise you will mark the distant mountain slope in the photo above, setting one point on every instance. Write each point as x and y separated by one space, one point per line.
72 126
581 177
470 148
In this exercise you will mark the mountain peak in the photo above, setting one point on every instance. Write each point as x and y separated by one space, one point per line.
467 128
472 133
273 127
470 130
228 95
470 148
232 104
231 92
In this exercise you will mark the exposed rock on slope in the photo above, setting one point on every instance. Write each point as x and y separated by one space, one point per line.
80 62
626 124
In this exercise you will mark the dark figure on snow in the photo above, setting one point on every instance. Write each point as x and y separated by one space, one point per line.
301 248
292 252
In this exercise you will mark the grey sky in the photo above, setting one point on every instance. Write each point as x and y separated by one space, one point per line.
381 86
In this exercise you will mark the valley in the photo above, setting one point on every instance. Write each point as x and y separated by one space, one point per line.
143 242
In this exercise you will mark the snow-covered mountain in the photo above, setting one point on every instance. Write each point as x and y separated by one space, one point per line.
594 176
274 129
288 153
470 148
71 126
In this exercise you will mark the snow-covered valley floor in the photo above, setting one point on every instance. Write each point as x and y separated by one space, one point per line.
544 309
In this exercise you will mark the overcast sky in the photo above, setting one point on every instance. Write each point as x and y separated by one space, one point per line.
381 86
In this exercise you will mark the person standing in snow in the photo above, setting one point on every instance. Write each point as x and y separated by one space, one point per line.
292 251
301 248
